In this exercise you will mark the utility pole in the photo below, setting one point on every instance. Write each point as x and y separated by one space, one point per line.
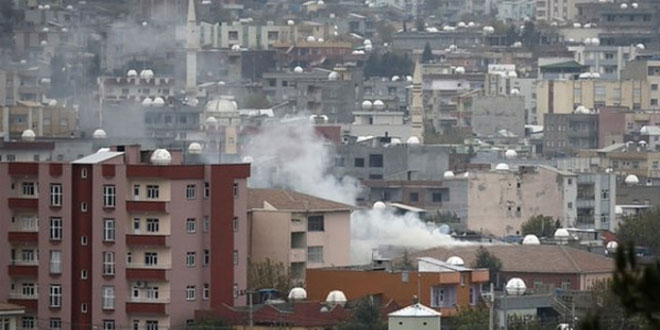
251 312
573 313
491 308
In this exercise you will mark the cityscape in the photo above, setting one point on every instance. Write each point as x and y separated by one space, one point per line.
329 164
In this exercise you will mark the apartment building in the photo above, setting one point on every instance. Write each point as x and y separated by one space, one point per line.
567 133
113 240
299 230
44 120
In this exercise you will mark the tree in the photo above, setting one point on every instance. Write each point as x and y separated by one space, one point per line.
540 226
471 318
366 316
642 228
608 306
420 25
211 324
387 65
269 274
485 259
519 322
530 37
427 55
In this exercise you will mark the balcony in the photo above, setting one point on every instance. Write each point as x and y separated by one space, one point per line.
30 302
146 240
24 169
146 206
21 268
23 203
23 237
145 274
139 307
297 255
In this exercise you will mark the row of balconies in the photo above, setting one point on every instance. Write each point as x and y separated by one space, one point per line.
134 272
132 306
23 237
32 203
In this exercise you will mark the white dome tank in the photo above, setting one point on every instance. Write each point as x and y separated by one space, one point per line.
333 76
236 48
624 5
379 205
367 105
99 134
195 148
562 234
512 74
612 246
298 69
456 261
297 293
367 42
147 102
502 167
131 73
632 179
290 22
531 240
618 210
448 175
515 287
510 154
247 159
211 121
28 135
379 105
161 157
311 39
413 140
396 78
460 70
146 74
336 297
158 102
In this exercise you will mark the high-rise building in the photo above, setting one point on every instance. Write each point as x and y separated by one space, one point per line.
112 241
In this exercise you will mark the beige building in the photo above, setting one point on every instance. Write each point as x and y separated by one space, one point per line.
563 96
258 36
44 120
298 230
557 10
625 159
501 200
10 314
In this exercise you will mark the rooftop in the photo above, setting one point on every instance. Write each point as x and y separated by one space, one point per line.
98 157
416 310
280 199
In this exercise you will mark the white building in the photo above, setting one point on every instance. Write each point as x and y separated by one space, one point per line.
414 317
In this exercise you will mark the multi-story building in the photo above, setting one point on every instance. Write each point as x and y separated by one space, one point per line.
11 316
563 10
566 133
564 96
501 200
516 10
44 120
628 158
412 40
298 230
498 82
621 23
596 201
495 115
111 241
607 61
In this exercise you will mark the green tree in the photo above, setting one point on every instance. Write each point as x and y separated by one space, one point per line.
387 65
366 316
471 318
518 322
485 259
211 324
530 37
269 274
427 55
609 307
540 226
642 229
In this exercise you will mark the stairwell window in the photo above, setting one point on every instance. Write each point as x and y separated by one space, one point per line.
191 191
190 292
55 262
108 263
55 323
55 194
109 195
191 225
108 230
56 229
108 297
190 259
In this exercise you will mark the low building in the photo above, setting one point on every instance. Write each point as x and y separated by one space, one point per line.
299 230
10 315
541 267
414 317
444 287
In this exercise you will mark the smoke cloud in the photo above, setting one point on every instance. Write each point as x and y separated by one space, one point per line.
293 156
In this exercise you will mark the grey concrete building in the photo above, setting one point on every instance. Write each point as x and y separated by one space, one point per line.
595 202
566 134
409 41
492 115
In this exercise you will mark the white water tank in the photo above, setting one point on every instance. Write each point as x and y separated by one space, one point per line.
28 135
456 261
161 157
99 134
336 297
531 240
515 287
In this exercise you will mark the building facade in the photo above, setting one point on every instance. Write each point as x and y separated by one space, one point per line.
122 243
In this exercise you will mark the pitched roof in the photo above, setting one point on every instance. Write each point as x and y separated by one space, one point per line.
6 307
563 65
97 157
529 258
281 199
416 310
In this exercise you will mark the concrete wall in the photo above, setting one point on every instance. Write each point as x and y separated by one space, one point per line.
413 323
493 113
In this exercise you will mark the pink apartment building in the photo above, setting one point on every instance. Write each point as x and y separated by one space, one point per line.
113 240
299 230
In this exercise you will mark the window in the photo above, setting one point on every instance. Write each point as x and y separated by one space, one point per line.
207 190
315 223
233 35
315 254
414 197
136 325
109 195
83 240
207 257
376 160
235 257
136 192
28 289
28 189
152 225
150 258
108 263
190 259
54 323
205 224
152 325
28 255
136 225
55 296
108 230
235 189
191 225
55 262
436 197
654 87
83 274
235 224
191 191
56 229
359 162
566 284
108 297
83 207
152 192
205 291
152 293
83 308
55 194
190 292
654 102
27 322
108 324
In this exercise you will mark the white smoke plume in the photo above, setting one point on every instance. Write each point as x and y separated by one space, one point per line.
293 156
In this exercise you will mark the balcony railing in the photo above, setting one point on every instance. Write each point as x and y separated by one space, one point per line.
21 262
20 295
149 300
138 265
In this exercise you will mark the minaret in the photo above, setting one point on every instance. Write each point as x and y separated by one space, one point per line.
417 108
192 46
